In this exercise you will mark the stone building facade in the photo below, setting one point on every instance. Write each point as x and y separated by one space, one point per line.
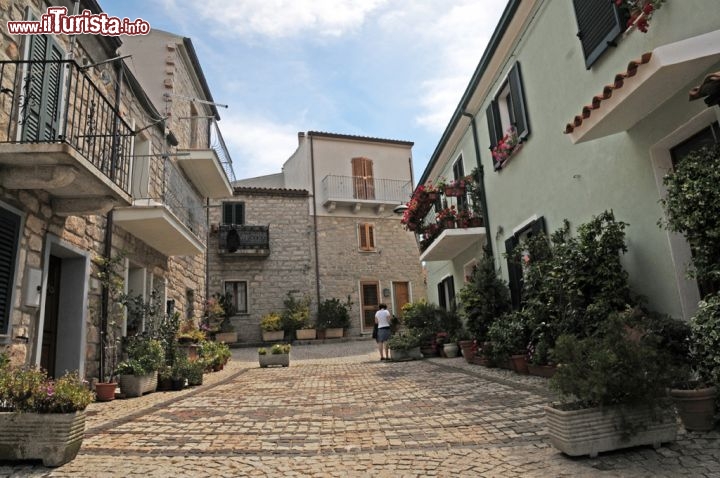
78 182
339 238
266 276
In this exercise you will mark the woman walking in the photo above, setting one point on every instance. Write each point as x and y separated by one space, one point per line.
382 319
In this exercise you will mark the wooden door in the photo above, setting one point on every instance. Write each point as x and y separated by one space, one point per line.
363 182
401 296
52 308
370 298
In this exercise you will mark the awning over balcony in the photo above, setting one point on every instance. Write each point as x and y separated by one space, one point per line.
203 168
648 82
451 242
157 226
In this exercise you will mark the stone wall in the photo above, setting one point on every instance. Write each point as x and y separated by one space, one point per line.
289 267
343 266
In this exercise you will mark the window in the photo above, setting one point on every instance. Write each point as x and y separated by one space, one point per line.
370 299
458 173
599 23
9 240
363 182
366 235
515 273
233 213
507 110
446 293
238 291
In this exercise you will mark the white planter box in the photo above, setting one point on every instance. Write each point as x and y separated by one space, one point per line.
137 385
227 337
306 334
274 359
273 336
54 438
594 430
404 355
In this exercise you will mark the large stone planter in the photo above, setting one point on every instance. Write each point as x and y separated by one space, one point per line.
273 335
334 333
54 438
137 385
405 355
594 430
306 334
274 359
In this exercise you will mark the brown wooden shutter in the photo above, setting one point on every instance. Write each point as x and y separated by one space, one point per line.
366 232
371 235
363 182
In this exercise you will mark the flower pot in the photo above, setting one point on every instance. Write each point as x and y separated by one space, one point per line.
334 333
54 438
590 431
164 384
546 371
519 363
267 360
306 334
104 392
272 335
428 351
450 350
696 407
177 384
190 350
226 337
454 191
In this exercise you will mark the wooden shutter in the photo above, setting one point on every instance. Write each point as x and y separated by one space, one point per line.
442 301
44 89
450 281
514 272
227 213
599 23
366 233
494 124
363 181
9 238
522 126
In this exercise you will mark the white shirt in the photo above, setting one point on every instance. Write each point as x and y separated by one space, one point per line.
383 317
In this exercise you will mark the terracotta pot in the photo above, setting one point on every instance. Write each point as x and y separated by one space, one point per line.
519 363
696 407
546 371
104 392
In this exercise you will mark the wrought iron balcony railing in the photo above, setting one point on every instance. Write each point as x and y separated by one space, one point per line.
204 133
244 239
182 200
56 101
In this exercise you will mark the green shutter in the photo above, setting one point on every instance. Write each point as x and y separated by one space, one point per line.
44 90
9 238
599 24
522 126
514 272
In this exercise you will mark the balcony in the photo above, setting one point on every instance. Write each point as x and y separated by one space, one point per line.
244 240
173 221
358 192
446 221
59 133
207 161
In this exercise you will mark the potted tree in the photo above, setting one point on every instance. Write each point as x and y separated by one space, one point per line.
613 386
40 418
334 317
218 313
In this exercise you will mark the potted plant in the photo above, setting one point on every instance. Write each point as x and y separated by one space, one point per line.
613 388
446 217
334 317
509 336
194 372
218 312
138 374
696 398
279 355
271 326
404 346
178 373
40 418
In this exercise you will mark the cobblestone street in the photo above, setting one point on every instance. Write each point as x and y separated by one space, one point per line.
351 415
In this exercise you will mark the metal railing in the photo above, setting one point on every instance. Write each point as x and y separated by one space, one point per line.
235 237
372 189
181 199
205 134
56 101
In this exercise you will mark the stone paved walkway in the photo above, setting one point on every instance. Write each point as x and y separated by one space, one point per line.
338 411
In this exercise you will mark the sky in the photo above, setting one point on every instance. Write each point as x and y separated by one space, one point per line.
392 69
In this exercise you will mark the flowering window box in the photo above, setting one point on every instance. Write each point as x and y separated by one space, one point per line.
506 148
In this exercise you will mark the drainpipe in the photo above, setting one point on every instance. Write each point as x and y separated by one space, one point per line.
315 222
481 184
105 298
